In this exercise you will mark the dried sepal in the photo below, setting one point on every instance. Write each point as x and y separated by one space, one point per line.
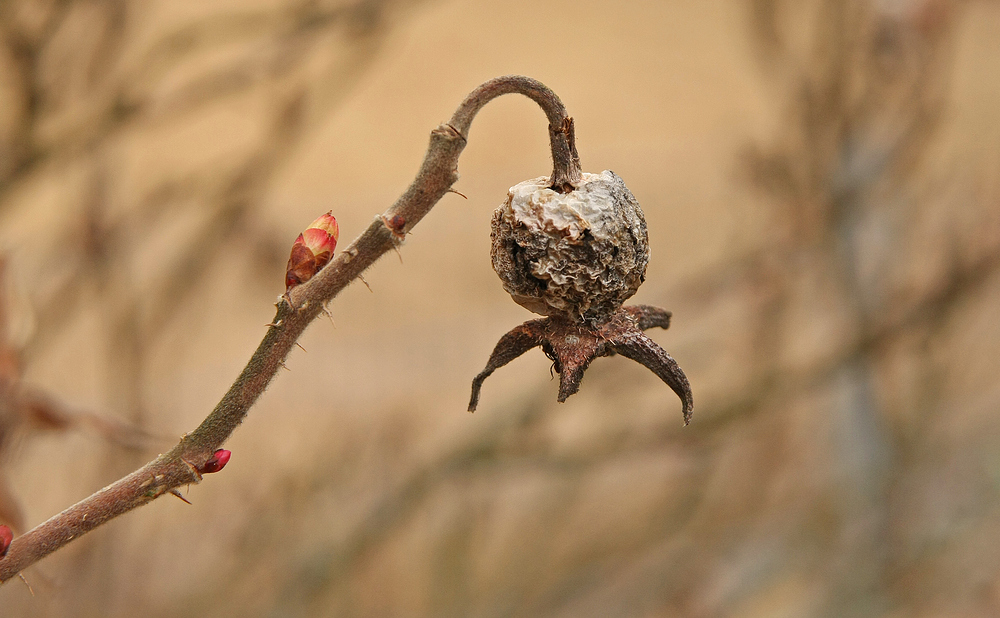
572 346
312 250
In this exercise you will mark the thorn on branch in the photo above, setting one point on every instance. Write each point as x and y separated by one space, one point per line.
366 284
448 126
450 190
174 492
31 591
397 227
329 315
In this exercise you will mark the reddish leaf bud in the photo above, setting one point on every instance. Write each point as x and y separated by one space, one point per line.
312 250
6 536
217 461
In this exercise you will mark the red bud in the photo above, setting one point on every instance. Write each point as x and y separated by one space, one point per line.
312 250
6 536
217 461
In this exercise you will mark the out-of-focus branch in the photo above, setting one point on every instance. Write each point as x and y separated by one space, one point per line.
26 409
138 96
295 312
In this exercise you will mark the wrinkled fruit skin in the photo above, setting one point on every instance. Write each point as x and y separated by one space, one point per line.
577 255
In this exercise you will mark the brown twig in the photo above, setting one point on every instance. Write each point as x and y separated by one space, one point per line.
295 312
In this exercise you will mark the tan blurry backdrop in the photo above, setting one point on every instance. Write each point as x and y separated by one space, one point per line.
821 188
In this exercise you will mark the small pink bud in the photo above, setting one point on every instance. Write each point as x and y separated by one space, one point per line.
312 250
216 462
6 536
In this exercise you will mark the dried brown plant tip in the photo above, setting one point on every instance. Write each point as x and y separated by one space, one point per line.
575 257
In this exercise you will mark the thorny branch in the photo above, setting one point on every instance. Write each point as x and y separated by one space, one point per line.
285 63
295 312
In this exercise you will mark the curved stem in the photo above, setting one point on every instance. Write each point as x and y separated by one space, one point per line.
295 311
566 174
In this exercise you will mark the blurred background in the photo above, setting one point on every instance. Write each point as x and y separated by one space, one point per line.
821 181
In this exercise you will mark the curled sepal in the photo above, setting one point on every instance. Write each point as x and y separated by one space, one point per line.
572 345
312 250
6 536
216 462
513 344
646 352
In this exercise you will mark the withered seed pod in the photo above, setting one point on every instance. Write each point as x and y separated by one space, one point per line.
577 255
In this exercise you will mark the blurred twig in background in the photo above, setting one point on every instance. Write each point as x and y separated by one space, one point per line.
25 409
864 267
79 81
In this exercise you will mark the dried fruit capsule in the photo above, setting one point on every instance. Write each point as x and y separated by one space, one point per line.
578 254
312 250
575 257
